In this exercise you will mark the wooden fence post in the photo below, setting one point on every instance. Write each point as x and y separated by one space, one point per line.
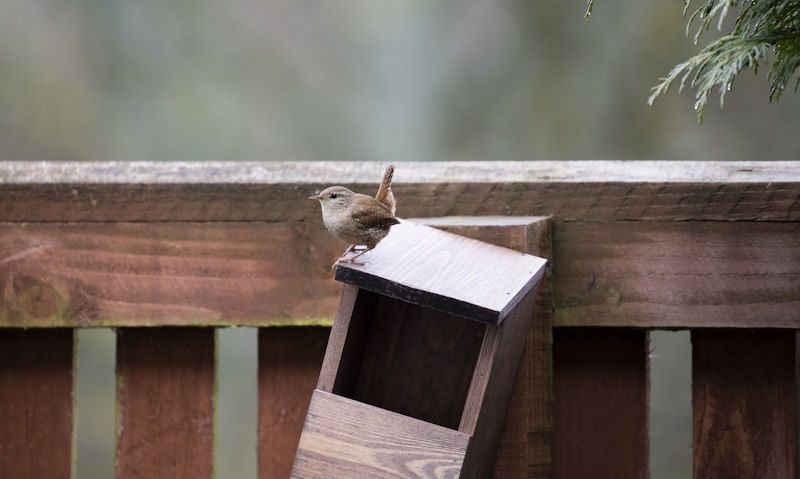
37 384
165 401
601 388
289 359
745 400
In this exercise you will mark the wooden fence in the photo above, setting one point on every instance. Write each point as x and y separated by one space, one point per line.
634 246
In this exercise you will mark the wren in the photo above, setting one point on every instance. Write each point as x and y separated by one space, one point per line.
358 219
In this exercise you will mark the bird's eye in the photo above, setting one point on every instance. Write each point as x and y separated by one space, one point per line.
333 196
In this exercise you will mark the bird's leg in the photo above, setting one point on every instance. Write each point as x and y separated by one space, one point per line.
349 249
352 259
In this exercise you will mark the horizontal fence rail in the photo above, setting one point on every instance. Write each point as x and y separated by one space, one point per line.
710 247
240 244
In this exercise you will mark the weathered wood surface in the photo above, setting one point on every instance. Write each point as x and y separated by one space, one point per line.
745 400
345 438
193 220
289 360
584 191
677 275
569 201
165 402
601 389
37 381
135 274
641 274
446 272
111 172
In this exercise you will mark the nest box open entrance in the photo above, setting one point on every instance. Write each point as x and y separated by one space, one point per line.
408 359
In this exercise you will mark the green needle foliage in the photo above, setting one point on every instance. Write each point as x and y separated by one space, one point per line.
764 30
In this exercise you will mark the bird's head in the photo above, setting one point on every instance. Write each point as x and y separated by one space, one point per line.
334 197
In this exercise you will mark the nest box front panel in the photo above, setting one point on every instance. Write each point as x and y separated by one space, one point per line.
343 438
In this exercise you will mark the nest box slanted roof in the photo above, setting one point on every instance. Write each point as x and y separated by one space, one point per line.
446 272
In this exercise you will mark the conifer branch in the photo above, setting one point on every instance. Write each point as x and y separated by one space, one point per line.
763 29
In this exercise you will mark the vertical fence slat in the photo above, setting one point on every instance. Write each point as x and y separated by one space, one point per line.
525 445
745 401
165 400
524 449
37 380
601 389
289 361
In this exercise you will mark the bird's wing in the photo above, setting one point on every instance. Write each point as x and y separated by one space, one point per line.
378 217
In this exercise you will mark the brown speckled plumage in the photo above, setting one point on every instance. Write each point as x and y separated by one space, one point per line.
358 219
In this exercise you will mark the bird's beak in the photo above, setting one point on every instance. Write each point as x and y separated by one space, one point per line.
315 197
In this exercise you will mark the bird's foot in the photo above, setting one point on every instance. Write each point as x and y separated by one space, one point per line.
352 259
348 260
350 248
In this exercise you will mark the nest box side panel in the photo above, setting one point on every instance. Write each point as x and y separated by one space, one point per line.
347 340
491 388
345 438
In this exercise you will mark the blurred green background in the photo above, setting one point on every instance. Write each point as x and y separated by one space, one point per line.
359 80
283 80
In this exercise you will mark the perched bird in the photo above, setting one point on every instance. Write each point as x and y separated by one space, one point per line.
358 219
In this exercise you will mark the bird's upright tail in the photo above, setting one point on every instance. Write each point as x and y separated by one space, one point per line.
385 194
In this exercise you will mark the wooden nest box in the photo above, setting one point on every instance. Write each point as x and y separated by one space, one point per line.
421 359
